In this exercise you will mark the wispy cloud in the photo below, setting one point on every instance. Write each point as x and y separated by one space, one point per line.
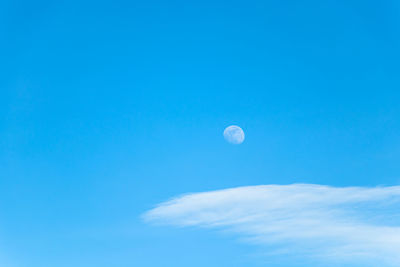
330 223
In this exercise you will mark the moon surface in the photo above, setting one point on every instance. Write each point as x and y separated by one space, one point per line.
234 134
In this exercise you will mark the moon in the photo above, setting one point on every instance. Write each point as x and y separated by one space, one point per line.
234 134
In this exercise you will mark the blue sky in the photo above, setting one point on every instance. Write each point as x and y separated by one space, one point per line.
108 108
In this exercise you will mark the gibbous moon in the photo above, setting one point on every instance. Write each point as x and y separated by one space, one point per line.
234 134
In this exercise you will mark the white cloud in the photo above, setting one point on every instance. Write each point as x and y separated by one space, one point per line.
332 224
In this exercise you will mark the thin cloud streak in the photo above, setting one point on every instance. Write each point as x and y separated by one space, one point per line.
329 223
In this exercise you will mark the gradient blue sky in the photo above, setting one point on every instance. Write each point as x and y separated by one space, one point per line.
108 108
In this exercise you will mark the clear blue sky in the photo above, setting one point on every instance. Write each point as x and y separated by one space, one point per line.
108 108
